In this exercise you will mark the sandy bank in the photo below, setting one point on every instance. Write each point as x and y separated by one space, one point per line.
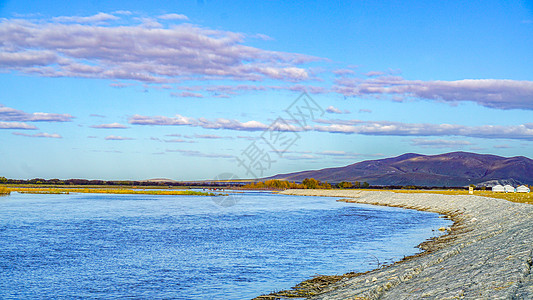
487 255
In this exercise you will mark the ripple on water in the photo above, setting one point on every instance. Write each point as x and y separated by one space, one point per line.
186 247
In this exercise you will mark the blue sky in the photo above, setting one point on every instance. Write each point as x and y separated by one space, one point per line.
192 89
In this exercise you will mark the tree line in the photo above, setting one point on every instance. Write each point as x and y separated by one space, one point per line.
307 183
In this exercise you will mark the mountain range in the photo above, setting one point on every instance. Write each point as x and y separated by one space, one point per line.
450 169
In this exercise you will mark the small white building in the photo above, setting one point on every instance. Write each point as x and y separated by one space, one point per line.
498 188
509 189
523 189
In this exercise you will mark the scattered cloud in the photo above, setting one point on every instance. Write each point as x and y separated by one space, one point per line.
187 95
99 17
343 72
333 110
225 91
179 141
16 125
120 85
117 138
69 47
300 157
263 37
504 146
248 138
39 135
201 122
209 136
374 128
493 93
110 126
378 128
363 110
173 17
200 154
122 12
96 116
374 73
11 114
439 144
347 155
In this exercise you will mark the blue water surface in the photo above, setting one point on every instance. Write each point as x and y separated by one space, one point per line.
188 247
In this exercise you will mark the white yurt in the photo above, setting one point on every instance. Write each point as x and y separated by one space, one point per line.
498 188
509 188
522 189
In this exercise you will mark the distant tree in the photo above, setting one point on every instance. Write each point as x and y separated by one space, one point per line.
3 180
311 183
357 184
365 184
37 181
344 185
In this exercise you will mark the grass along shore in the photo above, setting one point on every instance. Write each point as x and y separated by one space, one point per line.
4 191
100 190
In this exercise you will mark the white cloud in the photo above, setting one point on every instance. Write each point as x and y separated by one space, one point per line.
11 114
439 144
110 126
347 155
195 153
333 110
179 120
377 128
139 52
39 135
16 125
178 141
99 17
117 138
173 17
493 93
187 95
504 146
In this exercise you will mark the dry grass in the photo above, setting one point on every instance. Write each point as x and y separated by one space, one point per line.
308 288
513 197
4 191
28 190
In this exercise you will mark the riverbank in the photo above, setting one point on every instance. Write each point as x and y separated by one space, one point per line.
488 253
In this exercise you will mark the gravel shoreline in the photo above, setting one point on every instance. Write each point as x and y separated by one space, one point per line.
487 255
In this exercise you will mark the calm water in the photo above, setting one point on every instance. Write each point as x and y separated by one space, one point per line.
187 247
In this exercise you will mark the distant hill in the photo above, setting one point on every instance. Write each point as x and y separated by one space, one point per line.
449 169
160 180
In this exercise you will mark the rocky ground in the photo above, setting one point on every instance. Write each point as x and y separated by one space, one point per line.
488 253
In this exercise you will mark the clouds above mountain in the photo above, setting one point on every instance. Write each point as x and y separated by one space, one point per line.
219 123
371 128
379 128
493 93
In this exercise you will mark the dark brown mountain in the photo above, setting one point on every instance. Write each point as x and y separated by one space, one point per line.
449 169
